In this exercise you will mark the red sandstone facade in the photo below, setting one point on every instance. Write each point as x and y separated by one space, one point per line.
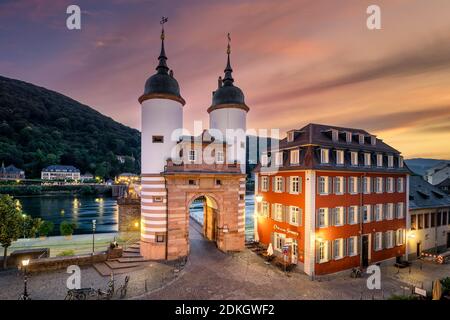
336 196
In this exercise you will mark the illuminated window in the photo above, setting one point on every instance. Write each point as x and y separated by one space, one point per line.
265 183
324 156
340 157
295 185
295 158
354 158
323 217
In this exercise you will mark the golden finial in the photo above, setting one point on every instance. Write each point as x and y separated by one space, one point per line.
163 20
229 41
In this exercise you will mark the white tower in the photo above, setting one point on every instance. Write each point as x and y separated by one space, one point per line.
229 111
162 114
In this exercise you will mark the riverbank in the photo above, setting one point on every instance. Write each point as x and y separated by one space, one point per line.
42 190
80 244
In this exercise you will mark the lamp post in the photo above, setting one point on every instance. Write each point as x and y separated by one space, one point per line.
24 224
25 295
93 235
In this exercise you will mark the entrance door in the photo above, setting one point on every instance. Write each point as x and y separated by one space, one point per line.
418 249
365 250
448 239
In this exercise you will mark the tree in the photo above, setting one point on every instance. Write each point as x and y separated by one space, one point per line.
30 226
66 228
45 228
10 224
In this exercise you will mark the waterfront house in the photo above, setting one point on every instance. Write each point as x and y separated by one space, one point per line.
11 172
59 172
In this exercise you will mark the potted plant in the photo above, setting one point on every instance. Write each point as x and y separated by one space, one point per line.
45 228
66 228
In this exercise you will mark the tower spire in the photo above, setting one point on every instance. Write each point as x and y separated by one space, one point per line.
162 66
228 79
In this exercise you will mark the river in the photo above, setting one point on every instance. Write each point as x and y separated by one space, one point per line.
82 210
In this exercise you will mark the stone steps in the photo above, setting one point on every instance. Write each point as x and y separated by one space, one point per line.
131 255
120 265
133 250
132 259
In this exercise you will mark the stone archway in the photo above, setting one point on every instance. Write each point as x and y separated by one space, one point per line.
211 215
226 225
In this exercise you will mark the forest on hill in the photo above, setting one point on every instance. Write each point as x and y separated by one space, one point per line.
40 127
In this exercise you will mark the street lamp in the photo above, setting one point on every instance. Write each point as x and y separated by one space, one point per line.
259 198
25 296
93 234
24 225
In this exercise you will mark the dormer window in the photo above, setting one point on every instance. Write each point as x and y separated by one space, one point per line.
400 162
279 158
290 136
373 140
390 161
354 158
295 158
324 156
379 160
219 157
367 159
340 157
361 138
335 135
348 137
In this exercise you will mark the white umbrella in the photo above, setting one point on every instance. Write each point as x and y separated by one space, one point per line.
270 250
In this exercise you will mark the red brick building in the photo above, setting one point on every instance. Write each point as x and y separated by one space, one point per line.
337 197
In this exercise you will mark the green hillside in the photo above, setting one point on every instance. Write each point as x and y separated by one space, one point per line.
40 127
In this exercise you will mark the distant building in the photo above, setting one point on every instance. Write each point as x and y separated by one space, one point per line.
86 176
429 210
445 186
127 178
11 172
58 172
438 173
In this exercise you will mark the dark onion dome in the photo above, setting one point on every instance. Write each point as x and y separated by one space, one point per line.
227 94
162 85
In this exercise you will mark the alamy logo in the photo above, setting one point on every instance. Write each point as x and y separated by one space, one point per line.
374 280
73 21
74 280
374 19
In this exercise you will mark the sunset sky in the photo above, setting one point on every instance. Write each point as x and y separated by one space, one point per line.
296 61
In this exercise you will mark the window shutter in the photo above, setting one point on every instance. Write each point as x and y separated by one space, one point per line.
300 217
344 215
330 185
374 241
335 184
273 183
285 213
374 187
288 184
330 217
272 211
332 257
300 185
394 234
344 247
358 183
383 185
317 218
329 250
318 185
357 245
385 208
384 240
372 212
317 252
333 217
344 185
283 184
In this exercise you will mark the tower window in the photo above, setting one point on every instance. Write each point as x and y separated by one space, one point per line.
160 238
218 182
192 182
158 139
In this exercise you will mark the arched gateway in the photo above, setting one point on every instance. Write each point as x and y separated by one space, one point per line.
168 185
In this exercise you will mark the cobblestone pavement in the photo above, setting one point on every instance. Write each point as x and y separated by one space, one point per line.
52 285
211 274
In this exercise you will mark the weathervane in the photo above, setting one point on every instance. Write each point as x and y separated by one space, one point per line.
229 41
163 20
